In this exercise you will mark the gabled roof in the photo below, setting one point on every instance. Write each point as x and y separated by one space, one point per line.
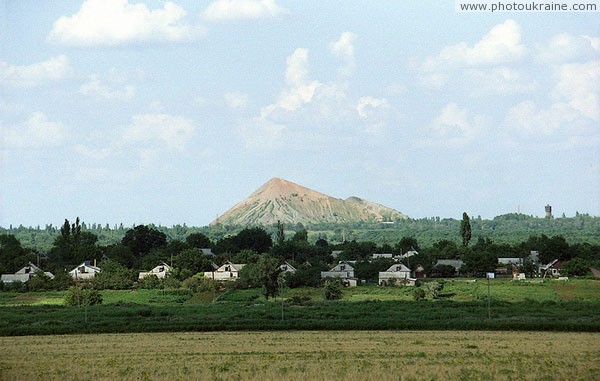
87 265
397 267
286 266
234 266
549 265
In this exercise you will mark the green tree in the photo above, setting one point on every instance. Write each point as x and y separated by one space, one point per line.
114 276
198 240
78 296
332 289
193 260
465 229
576 267
280 233
142 239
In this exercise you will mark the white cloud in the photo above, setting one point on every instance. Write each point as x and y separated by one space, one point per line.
579 85
159 129
366 103
114 22
54 69
501 80
37 131
95 86
236 99
299 88
527 119
501 45
565 47
228 10
454 127
344 48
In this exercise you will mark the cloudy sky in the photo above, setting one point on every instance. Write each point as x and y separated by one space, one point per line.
170 112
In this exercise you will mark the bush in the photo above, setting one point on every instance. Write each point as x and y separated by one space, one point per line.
419 294
332 289
197 283
78 296
149 282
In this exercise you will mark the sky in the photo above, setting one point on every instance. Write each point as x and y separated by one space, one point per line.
171 112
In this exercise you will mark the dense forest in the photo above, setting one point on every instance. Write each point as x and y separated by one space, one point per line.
505 229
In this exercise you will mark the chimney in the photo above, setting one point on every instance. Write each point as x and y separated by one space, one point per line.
94 262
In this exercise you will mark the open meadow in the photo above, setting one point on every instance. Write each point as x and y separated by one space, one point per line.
306 355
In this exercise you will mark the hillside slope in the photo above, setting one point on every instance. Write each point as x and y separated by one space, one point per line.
285 201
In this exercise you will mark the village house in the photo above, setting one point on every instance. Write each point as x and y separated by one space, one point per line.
551 269
84 271
344 271
161 271
24 274
396 274
287 268
228 271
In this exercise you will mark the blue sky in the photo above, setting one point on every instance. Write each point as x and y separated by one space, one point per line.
172 112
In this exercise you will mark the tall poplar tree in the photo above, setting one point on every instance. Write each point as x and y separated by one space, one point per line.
465 229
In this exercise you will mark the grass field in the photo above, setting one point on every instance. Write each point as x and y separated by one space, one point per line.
462 304
308 355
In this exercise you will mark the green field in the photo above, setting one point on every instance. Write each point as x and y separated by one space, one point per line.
306 355
548 305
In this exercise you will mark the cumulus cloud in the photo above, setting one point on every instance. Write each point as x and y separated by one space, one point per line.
454 127
485 68
299 88
527 119
579 85
565 47
53 69
501 45
95 86
37 131
228 10
344 48
366 103
170 131
236 99
114 22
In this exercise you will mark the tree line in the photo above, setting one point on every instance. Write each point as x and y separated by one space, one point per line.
142 247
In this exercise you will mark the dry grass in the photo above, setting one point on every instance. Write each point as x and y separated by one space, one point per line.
325 355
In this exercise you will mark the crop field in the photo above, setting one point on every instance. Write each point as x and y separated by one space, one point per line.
308 355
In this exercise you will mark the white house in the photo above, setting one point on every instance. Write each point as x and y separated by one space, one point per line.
343 271
287 268
228 271
396 274
84 271
160 271
24 274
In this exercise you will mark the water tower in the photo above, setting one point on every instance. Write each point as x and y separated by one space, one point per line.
548 209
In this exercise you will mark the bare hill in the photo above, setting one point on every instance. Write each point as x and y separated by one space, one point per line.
288 202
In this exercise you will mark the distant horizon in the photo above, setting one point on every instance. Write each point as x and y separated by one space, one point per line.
145 111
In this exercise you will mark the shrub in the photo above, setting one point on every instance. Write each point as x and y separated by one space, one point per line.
149 282
77 296
419 294
332 289
197 283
